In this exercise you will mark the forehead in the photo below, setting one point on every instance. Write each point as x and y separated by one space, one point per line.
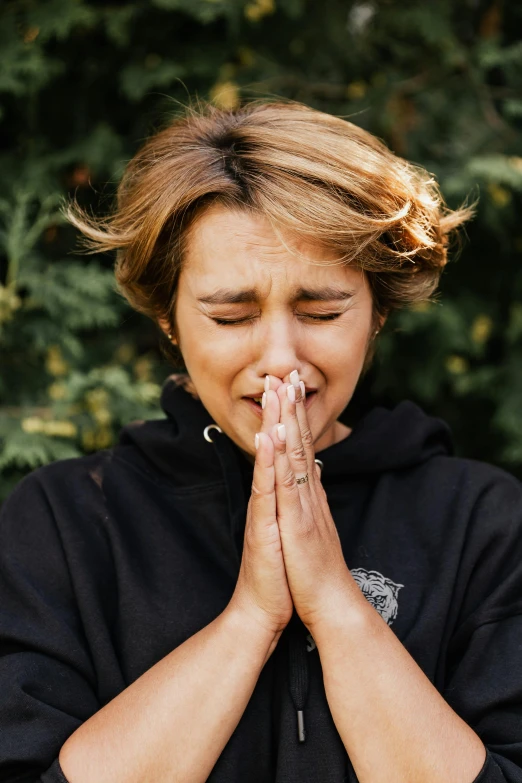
240 247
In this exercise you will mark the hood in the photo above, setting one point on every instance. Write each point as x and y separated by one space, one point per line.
183 448
381 440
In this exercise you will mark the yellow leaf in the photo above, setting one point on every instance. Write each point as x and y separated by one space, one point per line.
456 365
57 391
142 368
124 353
225 95
9 302
54 362
32 424
481 329
103 438
88 439
103 416
31 34
96 399
62 429
356 90
257 9
246 56
500 196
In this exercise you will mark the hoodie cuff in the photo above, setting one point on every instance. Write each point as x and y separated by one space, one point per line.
54 774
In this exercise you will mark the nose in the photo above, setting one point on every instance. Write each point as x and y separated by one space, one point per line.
279 349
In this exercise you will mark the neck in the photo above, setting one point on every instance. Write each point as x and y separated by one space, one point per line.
337 432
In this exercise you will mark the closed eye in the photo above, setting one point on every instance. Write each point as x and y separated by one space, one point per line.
226 322
330 317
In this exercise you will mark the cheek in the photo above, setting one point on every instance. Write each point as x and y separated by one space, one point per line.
208 352
341 353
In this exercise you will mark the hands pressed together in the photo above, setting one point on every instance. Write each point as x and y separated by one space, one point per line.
292 555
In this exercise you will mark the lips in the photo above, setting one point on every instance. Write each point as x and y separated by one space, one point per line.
256 406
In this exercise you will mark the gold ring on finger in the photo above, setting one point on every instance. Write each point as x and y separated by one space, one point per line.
302 479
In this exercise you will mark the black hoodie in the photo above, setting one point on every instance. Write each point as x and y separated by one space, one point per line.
110 561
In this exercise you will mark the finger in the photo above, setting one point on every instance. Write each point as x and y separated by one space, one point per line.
290 508
263 497
295 450
272 382
271 406
302 418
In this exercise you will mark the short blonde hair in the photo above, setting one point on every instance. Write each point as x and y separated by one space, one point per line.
307 171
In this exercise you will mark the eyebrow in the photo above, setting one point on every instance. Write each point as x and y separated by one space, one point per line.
248 295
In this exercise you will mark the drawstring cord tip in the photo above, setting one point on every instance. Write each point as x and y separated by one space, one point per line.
300 726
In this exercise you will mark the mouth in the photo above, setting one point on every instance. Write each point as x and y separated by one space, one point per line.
255 402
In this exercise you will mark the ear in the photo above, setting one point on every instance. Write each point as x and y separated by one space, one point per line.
166 328
381 321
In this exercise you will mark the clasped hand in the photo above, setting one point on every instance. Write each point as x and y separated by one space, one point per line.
292 554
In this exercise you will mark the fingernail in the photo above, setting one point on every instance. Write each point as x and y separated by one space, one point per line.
294 378
267 382
263 400
301 384
256 440
290 390
281 433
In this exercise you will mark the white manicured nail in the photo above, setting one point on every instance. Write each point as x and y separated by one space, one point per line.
256 440
294 378
281 433
301 384
267 382
290 391
263 400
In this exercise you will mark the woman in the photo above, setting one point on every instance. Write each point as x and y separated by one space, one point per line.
248 590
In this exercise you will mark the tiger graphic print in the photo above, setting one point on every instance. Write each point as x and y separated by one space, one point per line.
378 590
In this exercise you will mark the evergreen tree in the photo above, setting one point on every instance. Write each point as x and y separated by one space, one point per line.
82 83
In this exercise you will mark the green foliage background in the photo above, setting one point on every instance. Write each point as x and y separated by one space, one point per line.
82 83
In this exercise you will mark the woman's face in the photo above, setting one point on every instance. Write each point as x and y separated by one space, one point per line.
248 306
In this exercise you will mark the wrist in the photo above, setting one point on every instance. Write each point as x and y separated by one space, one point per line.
250 629
349 610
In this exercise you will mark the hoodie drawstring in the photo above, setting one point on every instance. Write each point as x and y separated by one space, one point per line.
298 674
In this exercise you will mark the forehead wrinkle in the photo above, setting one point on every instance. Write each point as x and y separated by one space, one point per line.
261 234
256 259
262 247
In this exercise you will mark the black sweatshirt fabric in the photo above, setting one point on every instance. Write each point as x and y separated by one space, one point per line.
110 561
